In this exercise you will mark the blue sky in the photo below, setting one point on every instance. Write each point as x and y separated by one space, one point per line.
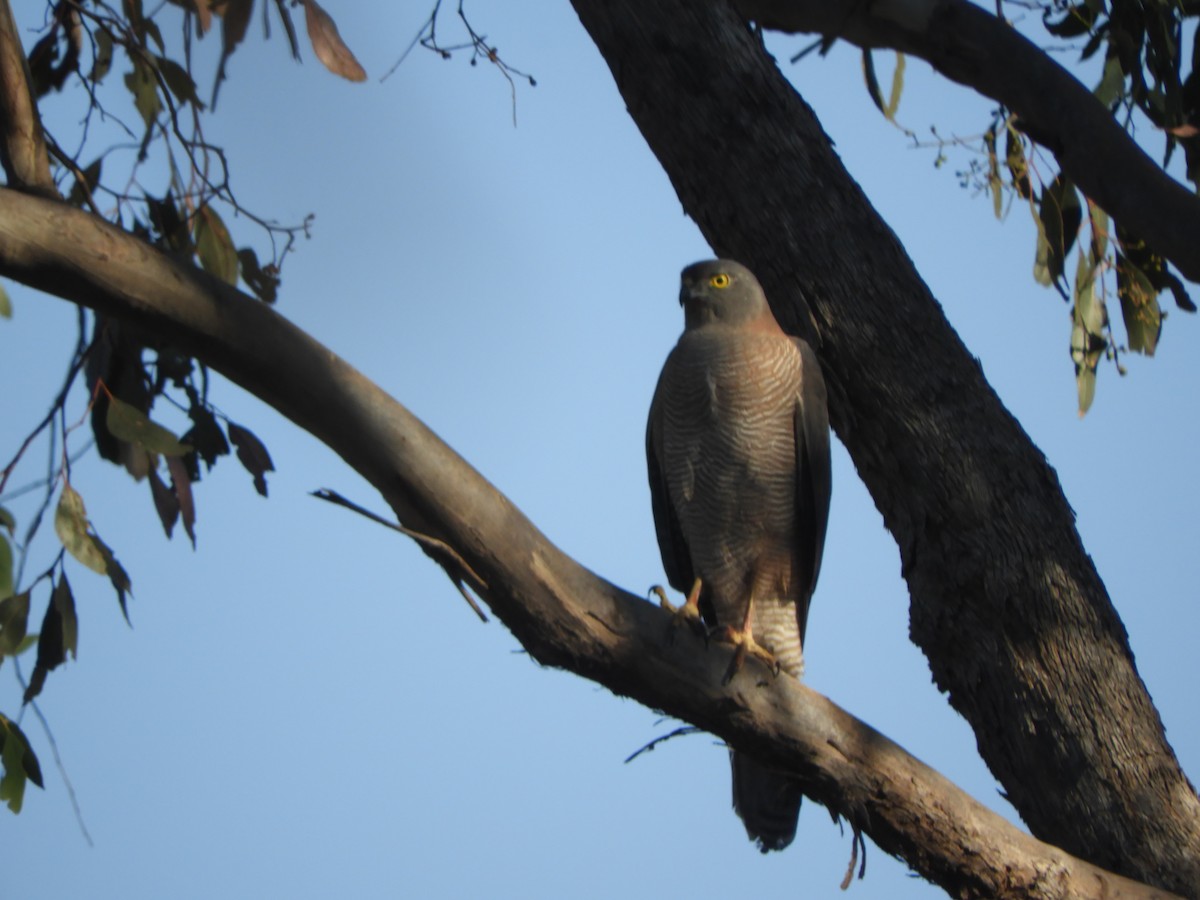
305 707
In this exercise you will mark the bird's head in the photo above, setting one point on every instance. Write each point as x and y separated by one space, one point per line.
721 291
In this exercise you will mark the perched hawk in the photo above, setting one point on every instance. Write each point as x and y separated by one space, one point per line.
738 452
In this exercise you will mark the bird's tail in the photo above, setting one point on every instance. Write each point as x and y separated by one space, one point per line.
768 802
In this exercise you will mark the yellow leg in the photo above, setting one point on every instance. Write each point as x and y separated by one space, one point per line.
688 614
743 641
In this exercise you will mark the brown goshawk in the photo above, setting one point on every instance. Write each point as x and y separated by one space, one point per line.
738 452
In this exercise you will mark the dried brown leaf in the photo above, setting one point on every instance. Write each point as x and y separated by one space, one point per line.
183 495
328 45
166 504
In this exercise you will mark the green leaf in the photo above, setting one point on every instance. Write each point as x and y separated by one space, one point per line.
132 425
1018 166
1060 215
5 304
1139 307
179 81
1098 219
20 764
26 642
893 103
7 520
104 54
144 88
995 184
64 603
1085 384
235 17
1089 319
59 637
14 622
71 526
1112 83
150 30
1041 259
214 246
116 574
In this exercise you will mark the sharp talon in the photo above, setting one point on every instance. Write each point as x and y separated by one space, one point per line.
687 614
744 645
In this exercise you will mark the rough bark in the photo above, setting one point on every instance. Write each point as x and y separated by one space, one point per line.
974 47
563 614
1005 602
22 144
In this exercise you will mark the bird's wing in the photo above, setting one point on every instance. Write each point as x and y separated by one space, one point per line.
677 562
813 477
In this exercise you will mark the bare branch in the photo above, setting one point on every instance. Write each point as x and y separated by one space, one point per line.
563 614
456 568
22 146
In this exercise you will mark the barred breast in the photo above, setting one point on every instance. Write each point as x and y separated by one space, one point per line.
730 449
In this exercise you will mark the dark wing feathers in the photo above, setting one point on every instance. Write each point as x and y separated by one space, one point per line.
813 475
676 560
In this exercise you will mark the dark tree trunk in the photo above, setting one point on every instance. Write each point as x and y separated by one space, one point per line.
1005 602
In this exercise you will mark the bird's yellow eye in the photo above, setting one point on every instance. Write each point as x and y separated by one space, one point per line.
720 280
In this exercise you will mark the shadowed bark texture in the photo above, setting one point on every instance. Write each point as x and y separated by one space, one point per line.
22 144
1006 604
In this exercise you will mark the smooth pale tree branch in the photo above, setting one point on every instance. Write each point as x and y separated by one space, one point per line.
22 144
564 615
973 47
1006 604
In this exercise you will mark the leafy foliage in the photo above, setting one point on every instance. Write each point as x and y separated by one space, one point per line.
154 99
155 51
1142 79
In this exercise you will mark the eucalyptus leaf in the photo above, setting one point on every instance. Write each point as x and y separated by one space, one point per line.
1139 307
14 622
71 526
1060 215
214 246
130 424
144 87
20 764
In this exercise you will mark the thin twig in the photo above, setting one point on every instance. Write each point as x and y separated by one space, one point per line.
678 732
58 763
430 543
856 841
